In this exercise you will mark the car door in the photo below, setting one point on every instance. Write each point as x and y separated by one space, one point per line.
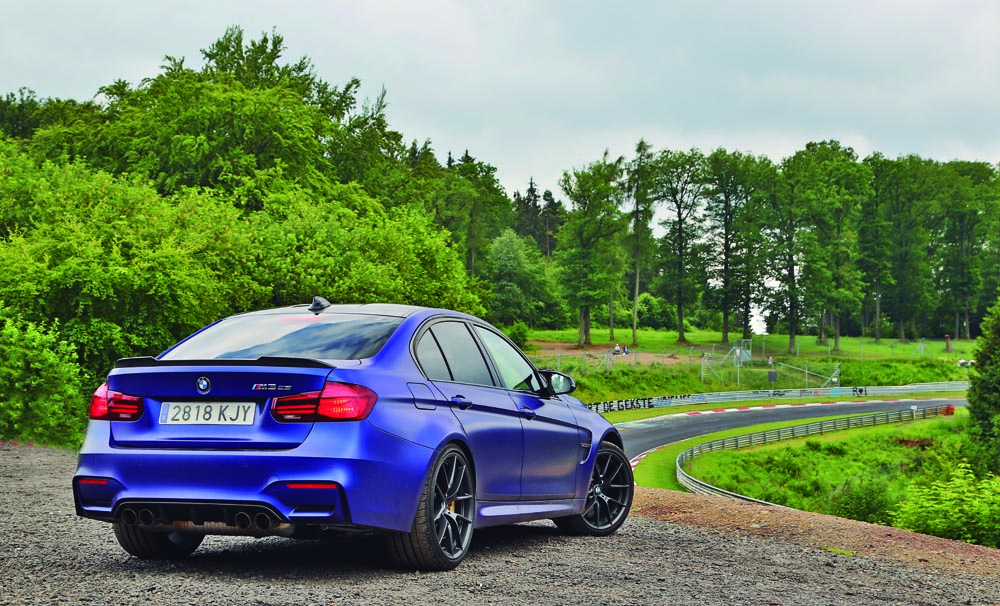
454 363
552 440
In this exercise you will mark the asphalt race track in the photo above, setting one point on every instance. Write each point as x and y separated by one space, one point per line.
644 435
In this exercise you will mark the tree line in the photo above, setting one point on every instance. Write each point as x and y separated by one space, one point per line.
822 242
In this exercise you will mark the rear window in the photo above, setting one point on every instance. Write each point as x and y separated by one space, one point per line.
322 337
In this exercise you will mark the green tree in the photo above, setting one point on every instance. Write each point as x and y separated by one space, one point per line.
680 188
20 114
790 238
524 289
641 243
909 189
553 216
590 239
528 214
122 270
303 248
732 180
241 123
842 183
490 211
182 130
256 66
990 256
874 237
358 144
970 188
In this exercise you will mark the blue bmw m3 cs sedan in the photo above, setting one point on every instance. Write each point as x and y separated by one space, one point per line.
424 424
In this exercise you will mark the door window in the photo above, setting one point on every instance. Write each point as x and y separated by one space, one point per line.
430 358
515 372
461 353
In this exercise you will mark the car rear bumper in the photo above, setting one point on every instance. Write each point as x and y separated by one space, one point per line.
343 473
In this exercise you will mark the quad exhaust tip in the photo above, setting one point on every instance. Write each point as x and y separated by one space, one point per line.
129 517
262 521
242 520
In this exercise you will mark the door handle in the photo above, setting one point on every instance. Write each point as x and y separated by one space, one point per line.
528 412
461 402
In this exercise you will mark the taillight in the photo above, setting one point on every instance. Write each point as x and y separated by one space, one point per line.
107 405
336 402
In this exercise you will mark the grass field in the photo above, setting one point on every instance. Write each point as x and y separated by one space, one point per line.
665 341
660 366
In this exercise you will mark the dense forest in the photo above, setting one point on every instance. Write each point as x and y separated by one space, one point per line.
131 219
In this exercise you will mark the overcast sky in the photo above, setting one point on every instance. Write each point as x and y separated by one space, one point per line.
536 88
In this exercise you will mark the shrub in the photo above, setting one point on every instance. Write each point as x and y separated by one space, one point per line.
40 391
867 498
961 508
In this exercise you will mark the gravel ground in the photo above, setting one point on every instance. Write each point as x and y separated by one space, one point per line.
676 549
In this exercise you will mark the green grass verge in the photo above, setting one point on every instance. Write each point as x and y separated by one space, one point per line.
658 469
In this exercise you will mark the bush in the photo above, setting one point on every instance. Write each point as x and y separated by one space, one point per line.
961 508
654 312
867 499
41 398
707 319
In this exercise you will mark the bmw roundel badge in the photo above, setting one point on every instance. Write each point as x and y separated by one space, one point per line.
203 384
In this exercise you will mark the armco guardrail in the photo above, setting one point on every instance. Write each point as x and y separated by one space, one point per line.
776 394
789 433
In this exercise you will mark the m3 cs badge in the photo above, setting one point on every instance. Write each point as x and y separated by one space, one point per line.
270 387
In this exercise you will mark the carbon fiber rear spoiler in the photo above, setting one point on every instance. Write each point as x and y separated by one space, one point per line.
149 361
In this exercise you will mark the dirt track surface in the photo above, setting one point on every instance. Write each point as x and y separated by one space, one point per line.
676 549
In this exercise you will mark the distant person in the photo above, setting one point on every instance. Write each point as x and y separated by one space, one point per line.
618 350
625 351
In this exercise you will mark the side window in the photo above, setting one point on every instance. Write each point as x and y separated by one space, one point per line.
461 353
430 359
515 372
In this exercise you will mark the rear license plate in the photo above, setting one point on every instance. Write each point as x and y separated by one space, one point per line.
207 413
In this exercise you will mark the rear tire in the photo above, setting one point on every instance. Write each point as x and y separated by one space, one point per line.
156 545
442 528
609 497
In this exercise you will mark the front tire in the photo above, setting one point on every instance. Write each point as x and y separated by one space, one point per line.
442 528
156 545
609 497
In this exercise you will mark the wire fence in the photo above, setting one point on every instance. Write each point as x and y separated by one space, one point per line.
733 370
702 367
722 397
789 433
755 352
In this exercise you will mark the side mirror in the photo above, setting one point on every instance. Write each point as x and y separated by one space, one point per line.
559 383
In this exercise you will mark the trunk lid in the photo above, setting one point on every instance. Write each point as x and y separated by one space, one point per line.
213 404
